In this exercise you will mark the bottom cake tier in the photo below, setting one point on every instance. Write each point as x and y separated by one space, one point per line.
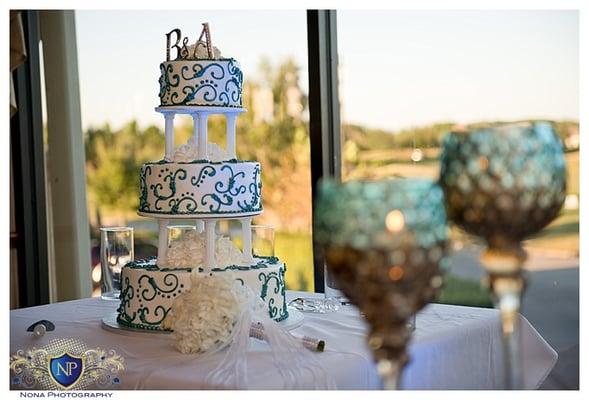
148 291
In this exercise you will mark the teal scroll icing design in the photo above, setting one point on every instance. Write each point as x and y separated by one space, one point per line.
209 88
232 189
266 280
191 204
202 175
148 264
255 188
159 310
202 77
198 71
233 87
284 313
207 85
234 70
127 294
217 201
143 203
225 192
180 174
189 92
170 282
165 83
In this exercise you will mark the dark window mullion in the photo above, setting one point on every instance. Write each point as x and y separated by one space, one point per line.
27 152
324 117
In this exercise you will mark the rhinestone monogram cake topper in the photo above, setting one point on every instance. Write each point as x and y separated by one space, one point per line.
190 52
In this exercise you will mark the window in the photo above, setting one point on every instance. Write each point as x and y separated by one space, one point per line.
407 77
119 72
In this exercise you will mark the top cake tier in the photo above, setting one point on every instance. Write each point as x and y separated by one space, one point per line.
201 82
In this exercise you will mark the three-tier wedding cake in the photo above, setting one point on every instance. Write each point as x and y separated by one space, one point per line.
201 182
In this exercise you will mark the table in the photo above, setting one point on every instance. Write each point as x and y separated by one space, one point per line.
453 347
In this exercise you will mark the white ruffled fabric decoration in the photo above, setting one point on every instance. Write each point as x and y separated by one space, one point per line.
203 318
189 152
216 313
190 249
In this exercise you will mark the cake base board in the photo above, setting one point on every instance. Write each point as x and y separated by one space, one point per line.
200 109
195 216
110 323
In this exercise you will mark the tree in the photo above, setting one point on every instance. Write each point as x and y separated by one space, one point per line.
281 145
113 161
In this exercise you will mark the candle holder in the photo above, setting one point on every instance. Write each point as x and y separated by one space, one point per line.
504 183
383 243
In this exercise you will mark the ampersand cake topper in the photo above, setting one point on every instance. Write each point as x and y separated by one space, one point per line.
201 49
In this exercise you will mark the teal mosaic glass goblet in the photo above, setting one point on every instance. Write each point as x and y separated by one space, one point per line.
383 243
504 183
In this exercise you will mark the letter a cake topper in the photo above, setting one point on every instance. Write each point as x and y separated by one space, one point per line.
186 52
207 33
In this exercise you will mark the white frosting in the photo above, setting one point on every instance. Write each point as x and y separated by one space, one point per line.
201 82
155 291
201 51
189 252
189 152
185 190
203 317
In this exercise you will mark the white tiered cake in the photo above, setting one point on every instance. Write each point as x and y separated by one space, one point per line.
198 181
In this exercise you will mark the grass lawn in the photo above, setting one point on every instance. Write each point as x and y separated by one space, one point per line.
464 292
295 249
562 234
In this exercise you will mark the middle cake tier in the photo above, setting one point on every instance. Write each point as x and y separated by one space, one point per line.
201 188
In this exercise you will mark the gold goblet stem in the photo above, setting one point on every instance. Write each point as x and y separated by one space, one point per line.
390 373
506 280
389 345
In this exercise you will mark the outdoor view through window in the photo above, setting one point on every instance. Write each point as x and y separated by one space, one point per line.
408 77
119 72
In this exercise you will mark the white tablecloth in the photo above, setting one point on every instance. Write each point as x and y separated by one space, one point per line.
453 348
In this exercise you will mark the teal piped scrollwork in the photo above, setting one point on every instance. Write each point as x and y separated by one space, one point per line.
179 174
143 292
266 279
165 83
143 203
225 190
220 187
255 188
217 201
149 264
191 204
170 284
232 188
205 172
160 312
202 77
127 294
198 71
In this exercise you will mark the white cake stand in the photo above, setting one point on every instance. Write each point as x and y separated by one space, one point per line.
109 323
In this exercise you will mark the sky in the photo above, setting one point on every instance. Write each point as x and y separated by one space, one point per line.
397 69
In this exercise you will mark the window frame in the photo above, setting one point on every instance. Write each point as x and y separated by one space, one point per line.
324 114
